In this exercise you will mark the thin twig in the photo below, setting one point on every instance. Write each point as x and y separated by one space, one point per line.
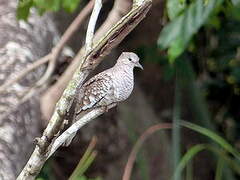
92 24
54 54
87 154
76 126
137 146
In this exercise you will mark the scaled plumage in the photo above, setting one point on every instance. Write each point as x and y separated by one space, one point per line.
110 86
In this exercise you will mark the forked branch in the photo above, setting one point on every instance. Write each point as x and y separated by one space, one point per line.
100 49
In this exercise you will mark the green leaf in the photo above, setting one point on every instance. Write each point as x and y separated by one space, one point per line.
234 11
43 6
175 7
85 161
176 132
81 170
168 71
212 135
48 5
85 178
187 157
70 5
235 2
175 50
81 178
182 28
219 169
23 9
191 153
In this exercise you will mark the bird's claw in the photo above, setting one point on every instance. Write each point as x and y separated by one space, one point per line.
105 108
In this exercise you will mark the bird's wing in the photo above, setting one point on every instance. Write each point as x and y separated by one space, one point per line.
95 90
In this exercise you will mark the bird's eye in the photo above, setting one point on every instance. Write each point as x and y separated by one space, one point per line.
129 59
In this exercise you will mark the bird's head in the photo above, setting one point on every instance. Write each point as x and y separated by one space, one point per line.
130 59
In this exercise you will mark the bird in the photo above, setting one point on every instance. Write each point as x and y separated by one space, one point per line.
111 86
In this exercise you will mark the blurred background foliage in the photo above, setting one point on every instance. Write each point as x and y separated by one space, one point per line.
198 50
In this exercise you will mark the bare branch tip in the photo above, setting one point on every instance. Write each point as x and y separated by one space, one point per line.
91 25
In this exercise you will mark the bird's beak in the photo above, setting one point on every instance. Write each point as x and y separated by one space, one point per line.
139 65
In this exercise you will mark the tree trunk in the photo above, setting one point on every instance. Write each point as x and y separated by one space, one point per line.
21 44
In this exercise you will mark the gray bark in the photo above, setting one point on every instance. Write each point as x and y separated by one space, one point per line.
21 44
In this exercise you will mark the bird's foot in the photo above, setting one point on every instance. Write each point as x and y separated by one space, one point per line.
105 108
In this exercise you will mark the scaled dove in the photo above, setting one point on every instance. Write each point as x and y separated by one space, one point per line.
110 86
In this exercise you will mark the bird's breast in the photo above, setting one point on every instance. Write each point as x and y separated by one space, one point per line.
123 85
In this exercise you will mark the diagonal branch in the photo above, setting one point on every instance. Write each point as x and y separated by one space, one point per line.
76 126
87 63
92 24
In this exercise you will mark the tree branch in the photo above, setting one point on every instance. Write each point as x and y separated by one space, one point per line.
76 126
103 47
92 24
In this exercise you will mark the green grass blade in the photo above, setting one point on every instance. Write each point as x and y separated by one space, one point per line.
176 133
189 171
187 157
85 161
216 138
193 151
219 169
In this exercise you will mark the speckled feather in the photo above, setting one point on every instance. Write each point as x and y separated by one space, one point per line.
110 86
96 90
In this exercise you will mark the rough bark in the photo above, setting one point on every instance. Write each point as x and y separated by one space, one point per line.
21 44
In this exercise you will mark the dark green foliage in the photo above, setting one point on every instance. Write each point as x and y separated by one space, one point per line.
46 173
207 35
175 8
43 6
152 54
24 8
70 5
176 35
85 178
